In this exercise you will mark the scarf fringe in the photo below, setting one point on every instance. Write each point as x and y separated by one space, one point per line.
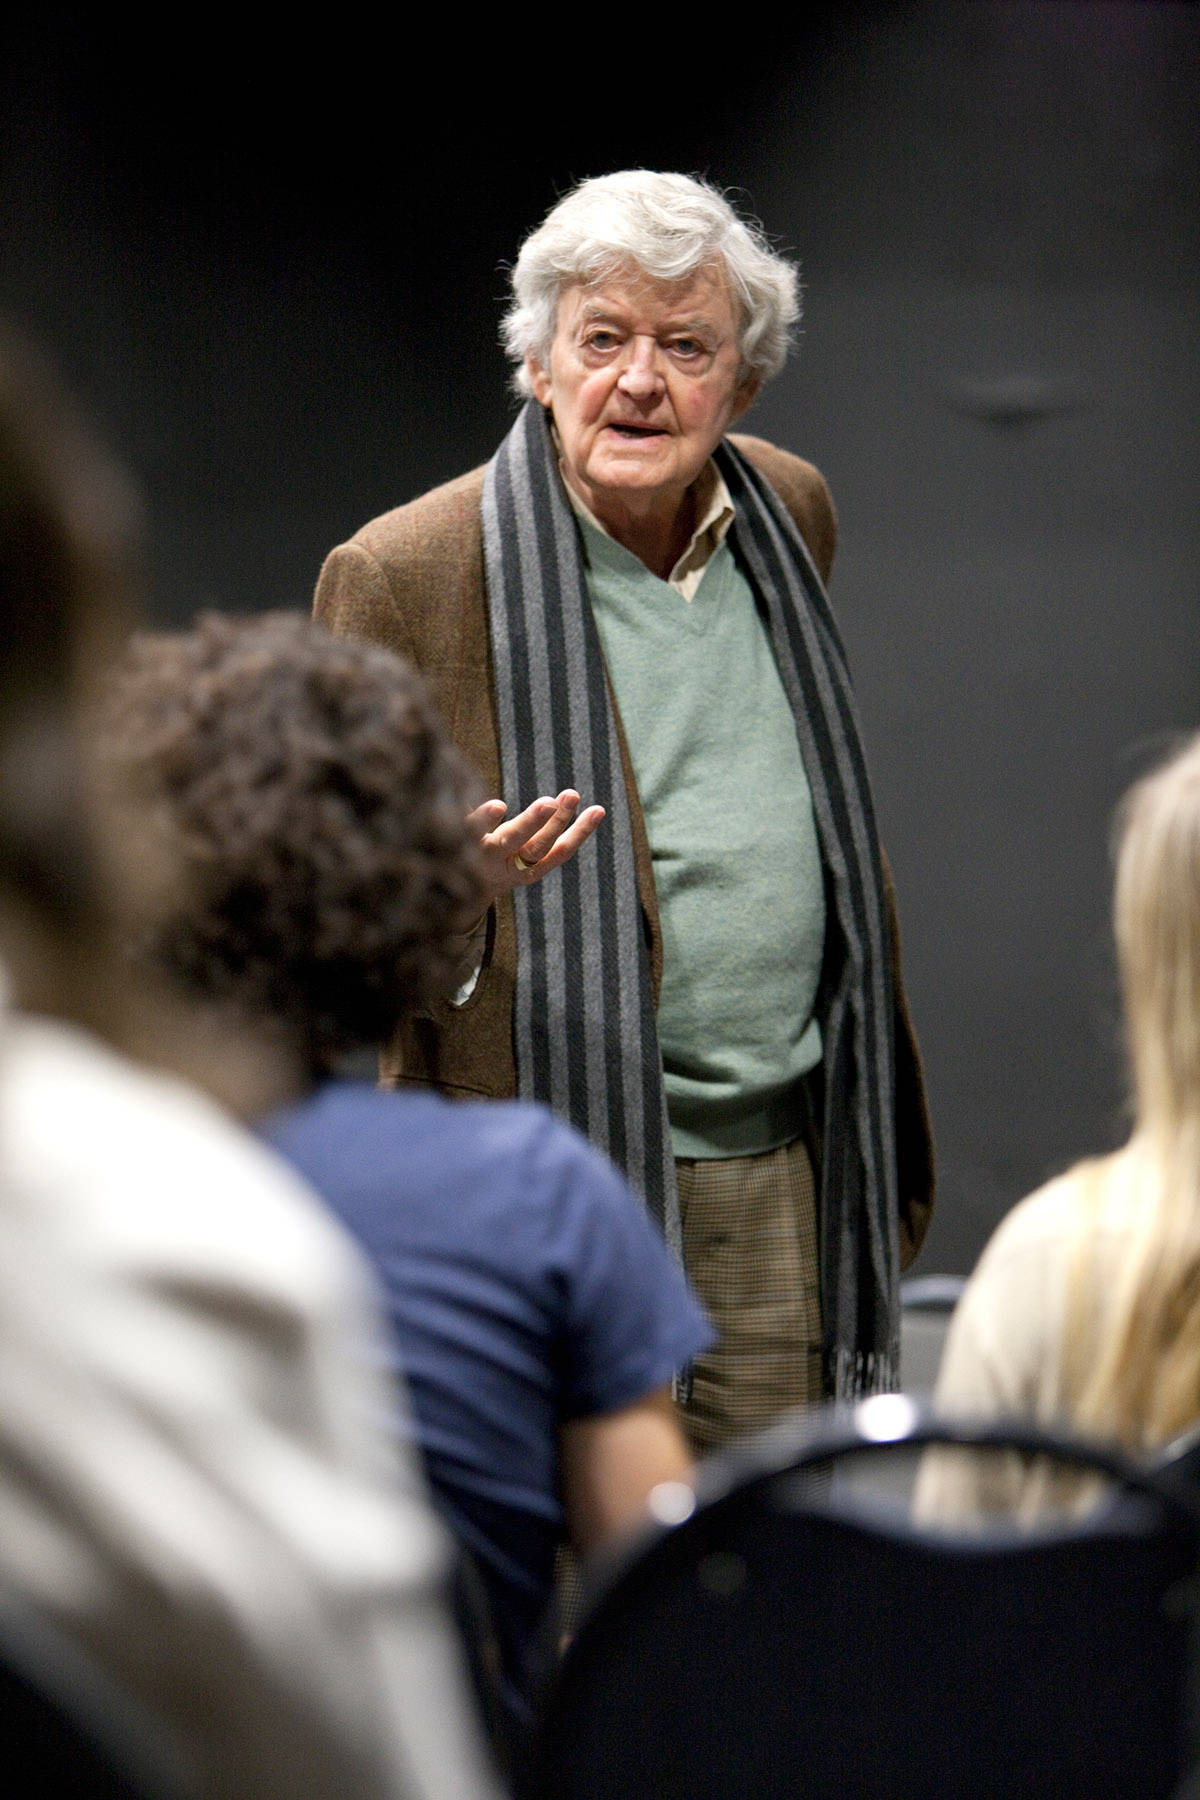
853 1375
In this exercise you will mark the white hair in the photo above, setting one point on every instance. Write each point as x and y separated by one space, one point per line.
668 226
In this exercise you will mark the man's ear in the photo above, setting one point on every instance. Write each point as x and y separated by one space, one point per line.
539 379
745 395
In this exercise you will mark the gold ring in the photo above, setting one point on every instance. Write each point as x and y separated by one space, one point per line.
521 863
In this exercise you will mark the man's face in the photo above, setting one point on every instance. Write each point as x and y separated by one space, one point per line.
643 382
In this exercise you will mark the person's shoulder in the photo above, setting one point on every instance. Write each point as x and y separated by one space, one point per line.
402 574
424 525
525 1134
135 1167
412 1113
543 1168
803 490
785 471
1047 1211
1036 1231
486 1147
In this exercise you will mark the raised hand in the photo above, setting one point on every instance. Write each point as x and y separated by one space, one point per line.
519 851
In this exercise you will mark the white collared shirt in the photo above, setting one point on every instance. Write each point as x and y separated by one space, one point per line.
714 517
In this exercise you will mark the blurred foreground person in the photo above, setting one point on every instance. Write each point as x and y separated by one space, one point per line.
195 1489
320 818
1085 1306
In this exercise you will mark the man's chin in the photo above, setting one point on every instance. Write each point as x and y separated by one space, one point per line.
638 472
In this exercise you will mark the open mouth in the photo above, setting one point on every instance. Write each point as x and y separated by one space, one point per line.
633 432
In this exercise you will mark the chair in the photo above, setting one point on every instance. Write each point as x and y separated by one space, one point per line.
927 1304
789 1637
471 1610
1180 1459
66 1727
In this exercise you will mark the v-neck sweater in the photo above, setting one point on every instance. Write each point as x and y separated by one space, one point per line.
736 859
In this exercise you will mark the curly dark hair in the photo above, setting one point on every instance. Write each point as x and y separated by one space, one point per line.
315 810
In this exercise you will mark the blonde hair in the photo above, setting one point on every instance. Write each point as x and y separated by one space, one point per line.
1138 1359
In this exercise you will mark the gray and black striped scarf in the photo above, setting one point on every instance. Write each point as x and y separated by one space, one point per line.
585 1036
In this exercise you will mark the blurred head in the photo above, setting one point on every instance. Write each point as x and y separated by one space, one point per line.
1157 917
315 813
69 546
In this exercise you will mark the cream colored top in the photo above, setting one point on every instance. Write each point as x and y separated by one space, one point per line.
1005 1351
201 1481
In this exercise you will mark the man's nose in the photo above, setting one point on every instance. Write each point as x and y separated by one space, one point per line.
641 377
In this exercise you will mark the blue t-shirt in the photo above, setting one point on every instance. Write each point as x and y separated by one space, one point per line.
526 1287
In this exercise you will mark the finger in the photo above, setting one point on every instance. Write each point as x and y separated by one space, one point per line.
539 840
509 837
564 847
486 817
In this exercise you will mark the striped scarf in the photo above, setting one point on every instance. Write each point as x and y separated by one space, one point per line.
584 1029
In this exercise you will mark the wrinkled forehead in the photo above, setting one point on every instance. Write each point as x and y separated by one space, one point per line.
705 291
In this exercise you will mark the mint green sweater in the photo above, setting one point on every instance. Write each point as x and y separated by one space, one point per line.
737 865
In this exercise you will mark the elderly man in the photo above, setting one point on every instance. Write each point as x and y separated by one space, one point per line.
628 600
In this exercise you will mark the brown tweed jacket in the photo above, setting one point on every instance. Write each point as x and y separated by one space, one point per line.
413 580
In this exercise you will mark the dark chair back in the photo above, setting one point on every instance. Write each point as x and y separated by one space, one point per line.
927 1305
471 1610
792 1638
66 1728
1180 1459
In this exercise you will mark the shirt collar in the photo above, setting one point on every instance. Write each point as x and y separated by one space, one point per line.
714 516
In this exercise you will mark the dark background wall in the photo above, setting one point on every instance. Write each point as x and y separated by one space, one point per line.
273 270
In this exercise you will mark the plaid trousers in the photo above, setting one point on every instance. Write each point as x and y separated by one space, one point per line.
750 1252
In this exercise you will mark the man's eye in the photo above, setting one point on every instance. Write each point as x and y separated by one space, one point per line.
687 346
600 340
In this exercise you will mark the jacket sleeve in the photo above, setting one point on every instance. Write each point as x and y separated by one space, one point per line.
413 582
